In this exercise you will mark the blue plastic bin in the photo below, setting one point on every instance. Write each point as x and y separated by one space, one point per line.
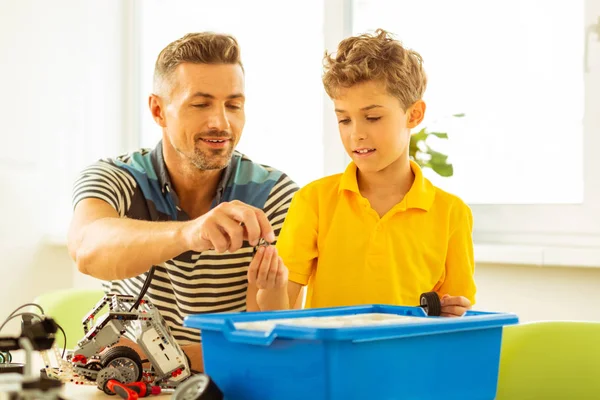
438 358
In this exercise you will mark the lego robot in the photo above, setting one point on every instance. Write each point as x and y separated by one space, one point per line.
97 358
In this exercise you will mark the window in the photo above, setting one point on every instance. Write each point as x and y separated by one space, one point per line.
282 60
522 154
515 69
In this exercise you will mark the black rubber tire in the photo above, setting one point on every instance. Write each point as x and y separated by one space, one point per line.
123 352
430 302
198 387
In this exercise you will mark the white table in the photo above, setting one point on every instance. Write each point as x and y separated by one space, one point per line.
72 391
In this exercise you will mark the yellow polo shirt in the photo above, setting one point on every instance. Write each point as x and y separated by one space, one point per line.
336 243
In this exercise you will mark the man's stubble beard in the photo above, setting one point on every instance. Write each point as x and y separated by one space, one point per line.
219 159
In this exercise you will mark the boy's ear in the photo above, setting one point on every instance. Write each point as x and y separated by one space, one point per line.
416 113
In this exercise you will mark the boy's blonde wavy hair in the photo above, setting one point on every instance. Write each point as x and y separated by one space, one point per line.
376 57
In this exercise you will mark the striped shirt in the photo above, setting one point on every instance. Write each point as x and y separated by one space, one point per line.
137 186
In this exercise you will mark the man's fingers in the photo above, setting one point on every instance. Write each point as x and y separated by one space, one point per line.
234 232
217 238
266 230
254 220
255 265
263 269
247 218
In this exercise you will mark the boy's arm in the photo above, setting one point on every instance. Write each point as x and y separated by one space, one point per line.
297 253
458 288
266 269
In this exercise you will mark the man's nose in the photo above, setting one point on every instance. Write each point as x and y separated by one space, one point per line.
218 120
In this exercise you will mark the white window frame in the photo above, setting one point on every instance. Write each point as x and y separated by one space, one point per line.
542 235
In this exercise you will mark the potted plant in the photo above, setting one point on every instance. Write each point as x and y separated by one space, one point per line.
421 152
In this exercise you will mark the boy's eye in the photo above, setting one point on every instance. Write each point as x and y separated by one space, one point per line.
373 119
343 121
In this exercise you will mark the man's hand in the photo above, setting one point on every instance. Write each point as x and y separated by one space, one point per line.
454 306
267 270
225 227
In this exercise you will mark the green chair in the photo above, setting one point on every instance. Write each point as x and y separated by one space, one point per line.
550 360
68 307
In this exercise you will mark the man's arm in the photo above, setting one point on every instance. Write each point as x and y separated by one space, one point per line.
108 247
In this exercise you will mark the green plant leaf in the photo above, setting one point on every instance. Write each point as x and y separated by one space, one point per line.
445 170
437 157
441 135
419 136
458 115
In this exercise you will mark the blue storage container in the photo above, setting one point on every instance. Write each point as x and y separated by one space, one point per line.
432 358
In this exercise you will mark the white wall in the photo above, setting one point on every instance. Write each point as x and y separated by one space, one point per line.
60 75
539 293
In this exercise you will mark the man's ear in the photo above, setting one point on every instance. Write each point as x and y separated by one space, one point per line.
156 105
416 113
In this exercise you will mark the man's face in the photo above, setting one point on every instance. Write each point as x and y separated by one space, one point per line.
374 128
204 112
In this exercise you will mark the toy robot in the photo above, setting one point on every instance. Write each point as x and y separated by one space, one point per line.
97 357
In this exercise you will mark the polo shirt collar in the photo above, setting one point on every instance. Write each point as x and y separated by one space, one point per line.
421 194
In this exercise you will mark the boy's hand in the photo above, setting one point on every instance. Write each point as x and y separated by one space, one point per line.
266 270
454 306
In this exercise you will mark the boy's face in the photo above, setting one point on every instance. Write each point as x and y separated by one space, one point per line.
374 128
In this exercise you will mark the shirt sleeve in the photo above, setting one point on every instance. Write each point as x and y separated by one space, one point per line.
460 261
103 180
297 244
278 203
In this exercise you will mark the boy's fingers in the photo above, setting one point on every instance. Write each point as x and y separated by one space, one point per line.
456 311
449 315
282 274
255 264
263 270
455 301
273 269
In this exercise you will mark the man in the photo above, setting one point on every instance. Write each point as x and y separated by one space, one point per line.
193 207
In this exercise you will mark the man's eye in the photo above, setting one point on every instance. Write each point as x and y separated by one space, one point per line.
234 107
203 105
343 121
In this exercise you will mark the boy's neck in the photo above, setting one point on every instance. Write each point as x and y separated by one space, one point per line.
394 180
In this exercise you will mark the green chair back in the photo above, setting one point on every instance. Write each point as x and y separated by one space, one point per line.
550 360
68 307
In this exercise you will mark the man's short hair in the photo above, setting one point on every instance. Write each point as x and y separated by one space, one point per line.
197 48
376 57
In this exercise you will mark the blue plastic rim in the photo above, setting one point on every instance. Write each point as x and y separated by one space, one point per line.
450 358
224 322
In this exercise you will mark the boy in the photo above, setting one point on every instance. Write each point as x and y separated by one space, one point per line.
380 232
